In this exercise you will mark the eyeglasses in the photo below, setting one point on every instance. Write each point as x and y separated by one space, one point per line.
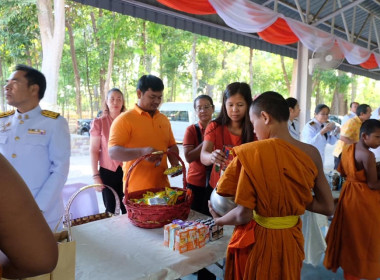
204 108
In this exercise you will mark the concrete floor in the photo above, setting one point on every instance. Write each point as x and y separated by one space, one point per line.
80 172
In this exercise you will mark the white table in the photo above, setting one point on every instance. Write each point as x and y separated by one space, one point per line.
115 249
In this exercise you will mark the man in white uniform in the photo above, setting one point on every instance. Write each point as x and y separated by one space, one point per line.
352 113
36 142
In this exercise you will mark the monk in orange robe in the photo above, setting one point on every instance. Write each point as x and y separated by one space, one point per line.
353 240
271 180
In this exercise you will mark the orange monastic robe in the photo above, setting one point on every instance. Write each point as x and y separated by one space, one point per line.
353 240
275 179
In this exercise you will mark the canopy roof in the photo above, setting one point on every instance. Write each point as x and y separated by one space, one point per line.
273 25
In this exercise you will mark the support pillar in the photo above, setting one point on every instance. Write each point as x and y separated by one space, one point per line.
303 85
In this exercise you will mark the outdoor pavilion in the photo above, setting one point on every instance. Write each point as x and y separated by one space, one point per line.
292 28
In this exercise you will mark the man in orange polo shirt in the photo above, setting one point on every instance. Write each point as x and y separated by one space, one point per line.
141 131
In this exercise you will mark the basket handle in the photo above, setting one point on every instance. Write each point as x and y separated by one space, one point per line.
66 216
137 161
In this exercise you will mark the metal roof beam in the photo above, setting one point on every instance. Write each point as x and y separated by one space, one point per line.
361 29
376 34
324 23
267 2
339 11
300 12
320 10
369 33
344 21
353 25
307 11
333 19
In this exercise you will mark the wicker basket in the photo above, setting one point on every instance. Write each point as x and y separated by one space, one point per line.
68 222
155 216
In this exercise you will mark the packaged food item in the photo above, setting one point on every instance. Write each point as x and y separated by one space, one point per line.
202 235
172 195
173 170
156 201
167 231
172 233
181 240
192 242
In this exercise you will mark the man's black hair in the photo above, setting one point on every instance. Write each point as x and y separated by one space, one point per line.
152 82
34 77
362 108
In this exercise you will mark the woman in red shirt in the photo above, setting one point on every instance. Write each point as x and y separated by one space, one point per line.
231 128
107 171
192 145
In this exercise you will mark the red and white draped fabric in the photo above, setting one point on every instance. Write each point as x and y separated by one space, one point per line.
249 17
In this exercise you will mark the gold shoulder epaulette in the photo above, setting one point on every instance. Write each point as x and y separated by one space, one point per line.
312 123
7 113
49 114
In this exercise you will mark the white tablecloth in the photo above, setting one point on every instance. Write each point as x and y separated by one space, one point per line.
115 249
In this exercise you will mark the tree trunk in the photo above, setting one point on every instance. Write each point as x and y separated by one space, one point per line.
52 29
29 57
144 39
124 83
210 90
354 89
286 77
161 70
318 95
76 71
224 57
96 97
194 77
251 68
88 78
102 71
110 66
173 89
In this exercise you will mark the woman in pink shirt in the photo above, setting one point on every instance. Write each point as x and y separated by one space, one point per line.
107 171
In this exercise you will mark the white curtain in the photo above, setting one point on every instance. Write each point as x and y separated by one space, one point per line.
243 15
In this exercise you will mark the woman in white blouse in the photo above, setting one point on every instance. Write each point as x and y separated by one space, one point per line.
294 112
319 131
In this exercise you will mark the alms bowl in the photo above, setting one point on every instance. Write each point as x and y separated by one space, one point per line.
222 204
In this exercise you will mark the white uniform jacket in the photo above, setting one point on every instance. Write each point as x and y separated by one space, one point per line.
37 144
311 135
294 129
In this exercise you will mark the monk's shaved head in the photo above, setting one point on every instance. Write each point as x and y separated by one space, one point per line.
369 126
272 103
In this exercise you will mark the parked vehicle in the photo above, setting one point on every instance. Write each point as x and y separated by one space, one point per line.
181 115
83 126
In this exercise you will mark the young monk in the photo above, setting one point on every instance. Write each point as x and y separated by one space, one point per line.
353 238
272 181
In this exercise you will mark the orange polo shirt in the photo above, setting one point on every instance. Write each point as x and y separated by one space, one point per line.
137 129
